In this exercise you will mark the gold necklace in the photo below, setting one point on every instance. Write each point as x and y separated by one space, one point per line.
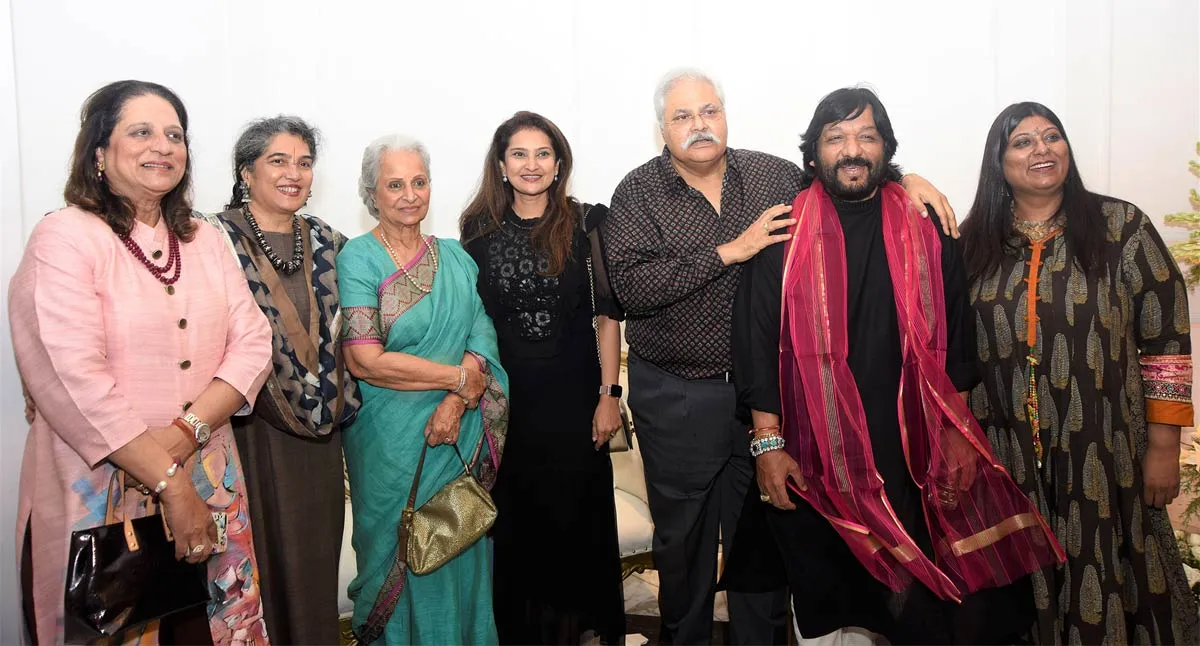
396 259
1037 230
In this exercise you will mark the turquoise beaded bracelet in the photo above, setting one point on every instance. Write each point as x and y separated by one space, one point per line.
760 445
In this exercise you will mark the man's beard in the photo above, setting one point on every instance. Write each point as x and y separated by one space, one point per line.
835 187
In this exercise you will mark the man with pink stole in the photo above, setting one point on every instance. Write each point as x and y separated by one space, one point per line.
853 350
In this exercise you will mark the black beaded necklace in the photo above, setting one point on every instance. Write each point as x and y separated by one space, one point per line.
290 267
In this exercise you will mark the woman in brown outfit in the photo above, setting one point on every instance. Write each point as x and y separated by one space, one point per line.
291 445
1083 332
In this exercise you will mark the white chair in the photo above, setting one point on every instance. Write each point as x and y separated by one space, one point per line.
347 570
635 530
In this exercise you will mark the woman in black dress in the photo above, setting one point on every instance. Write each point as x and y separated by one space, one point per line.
538 250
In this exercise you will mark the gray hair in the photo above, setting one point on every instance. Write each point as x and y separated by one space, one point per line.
373 154
667 83
255 138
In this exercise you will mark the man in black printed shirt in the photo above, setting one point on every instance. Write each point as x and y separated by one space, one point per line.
679 228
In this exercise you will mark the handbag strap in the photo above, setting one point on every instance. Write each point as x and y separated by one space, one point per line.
412 494
410 507
110 510
591 285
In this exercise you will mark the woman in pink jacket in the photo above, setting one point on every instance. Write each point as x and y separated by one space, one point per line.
137 338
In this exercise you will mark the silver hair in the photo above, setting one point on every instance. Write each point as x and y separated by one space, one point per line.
370 165
667 83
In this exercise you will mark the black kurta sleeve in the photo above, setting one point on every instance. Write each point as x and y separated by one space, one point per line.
477 249
961 359
756 314
606 300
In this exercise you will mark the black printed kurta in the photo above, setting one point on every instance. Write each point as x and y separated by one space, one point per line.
1123 581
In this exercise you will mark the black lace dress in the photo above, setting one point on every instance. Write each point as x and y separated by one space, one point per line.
557 571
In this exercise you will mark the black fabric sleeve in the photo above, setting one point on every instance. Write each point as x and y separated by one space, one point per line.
756 313
477 249
606 300
962 363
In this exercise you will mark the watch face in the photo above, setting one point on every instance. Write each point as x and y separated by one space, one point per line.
203 433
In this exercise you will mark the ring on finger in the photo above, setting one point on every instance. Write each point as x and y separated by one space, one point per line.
198 549
767 226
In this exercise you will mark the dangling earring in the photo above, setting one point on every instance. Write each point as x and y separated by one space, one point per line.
555 178
504 178
307 199
100 171
244 189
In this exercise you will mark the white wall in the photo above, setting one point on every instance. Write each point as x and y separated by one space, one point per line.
1123 74
12 422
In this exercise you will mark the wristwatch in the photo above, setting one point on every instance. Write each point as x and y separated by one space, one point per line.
612 390
201 429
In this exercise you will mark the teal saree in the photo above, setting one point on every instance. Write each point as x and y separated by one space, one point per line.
452 605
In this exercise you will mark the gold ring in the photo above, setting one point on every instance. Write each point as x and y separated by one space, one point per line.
197 549
767 226
764 497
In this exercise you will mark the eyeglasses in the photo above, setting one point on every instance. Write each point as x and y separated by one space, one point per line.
683 119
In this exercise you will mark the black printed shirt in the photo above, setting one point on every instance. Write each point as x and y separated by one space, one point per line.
661 239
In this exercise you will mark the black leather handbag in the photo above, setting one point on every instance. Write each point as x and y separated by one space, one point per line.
124 574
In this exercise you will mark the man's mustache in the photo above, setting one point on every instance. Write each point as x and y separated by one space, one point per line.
854 161
698 136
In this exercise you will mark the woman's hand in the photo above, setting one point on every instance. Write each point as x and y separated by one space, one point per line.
189 519
606 421
921 192
473 388
175 440
1160 467
442 427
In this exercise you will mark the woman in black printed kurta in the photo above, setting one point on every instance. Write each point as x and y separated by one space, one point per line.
557 561
1085 389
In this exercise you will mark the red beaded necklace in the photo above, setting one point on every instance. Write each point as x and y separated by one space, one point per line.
173 258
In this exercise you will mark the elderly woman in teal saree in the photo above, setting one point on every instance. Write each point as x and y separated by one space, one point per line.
416 335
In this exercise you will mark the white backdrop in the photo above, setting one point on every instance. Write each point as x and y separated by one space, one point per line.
1124 75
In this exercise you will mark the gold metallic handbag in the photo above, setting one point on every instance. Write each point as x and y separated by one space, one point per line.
448 523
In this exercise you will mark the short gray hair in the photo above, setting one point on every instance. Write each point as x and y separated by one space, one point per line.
370 165
667 83
255 138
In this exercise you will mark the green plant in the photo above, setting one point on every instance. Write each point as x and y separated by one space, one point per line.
1187 253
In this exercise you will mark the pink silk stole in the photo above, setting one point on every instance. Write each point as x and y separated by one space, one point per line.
985 532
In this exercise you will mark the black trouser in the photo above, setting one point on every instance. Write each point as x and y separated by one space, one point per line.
698 466
27 585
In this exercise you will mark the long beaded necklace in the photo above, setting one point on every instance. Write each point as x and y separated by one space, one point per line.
1039 234
174 259
396 259
291 266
